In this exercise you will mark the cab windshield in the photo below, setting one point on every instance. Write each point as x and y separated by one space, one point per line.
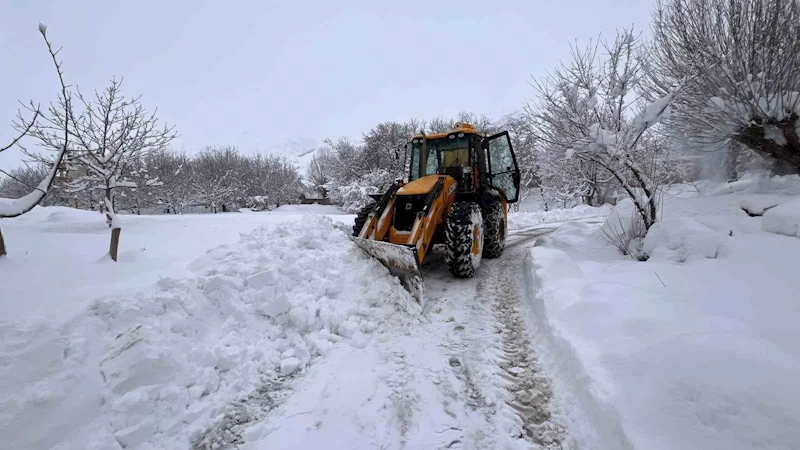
438 155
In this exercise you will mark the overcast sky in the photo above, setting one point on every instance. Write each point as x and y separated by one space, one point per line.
259 74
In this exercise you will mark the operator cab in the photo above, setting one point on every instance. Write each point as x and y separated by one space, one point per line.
468 156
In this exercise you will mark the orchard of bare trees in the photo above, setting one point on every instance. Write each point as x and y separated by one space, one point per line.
713 89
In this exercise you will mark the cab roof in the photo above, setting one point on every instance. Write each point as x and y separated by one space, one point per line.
459 127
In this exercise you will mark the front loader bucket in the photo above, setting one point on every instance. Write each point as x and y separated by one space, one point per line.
402 262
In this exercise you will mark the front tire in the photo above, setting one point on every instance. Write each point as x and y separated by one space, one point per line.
494 229
464 239
361 218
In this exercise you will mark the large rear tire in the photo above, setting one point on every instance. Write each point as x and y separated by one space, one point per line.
464 239
361 218
494 228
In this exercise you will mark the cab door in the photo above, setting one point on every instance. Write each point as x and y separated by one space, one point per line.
503 172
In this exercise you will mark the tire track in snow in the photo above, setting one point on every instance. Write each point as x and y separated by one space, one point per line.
530 391
496 294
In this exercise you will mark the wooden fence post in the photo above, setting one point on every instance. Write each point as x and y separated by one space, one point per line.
114 243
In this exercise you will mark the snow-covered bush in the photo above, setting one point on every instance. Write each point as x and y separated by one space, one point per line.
355 195
783 219
625 229
681 239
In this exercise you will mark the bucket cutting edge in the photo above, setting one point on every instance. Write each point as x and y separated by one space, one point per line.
402 262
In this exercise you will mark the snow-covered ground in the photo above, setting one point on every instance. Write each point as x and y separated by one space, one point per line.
695 348
257 330
272 330
57 256
528 219
162 364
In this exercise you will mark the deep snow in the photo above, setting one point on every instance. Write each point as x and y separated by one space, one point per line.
160 367
284 336
695 348
57 259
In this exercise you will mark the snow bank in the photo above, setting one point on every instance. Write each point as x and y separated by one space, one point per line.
621 220
68 245
783 219
519 220
158 368
660 355
309 209
680 239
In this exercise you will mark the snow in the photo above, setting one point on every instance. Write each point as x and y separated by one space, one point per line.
783 219
520 220
158 366
17 206
757 206
695 348
621 219
680 239
68 247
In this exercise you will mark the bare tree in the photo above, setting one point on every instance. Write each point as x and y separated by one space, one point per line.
174 172
586 111
214 177
110 136
12 207
743 62
523 140
318 175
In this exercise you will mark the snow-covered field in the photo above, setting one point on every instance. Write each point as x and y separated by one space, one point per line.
526 219
695 348
271 330
162 358
57 256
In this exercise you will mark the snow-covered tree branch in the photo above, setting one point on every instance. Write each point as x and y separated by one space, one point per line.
591 137
109 138
12 207
743 62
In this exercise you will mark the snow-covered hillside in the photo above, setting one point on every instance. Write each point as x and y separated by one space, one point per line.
695 348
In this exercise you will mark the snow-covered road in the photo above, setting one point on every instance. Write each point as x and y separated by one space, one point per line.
461 375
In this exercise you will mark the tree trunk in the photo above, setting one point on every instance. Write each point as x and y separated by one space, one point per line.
115 232
753 138
2 245
732 162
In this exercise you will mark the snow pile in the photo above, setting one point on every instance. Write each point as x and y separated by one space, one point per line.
757 205
622 220
758 183
783 219
520 220
660 355
680 239
158 368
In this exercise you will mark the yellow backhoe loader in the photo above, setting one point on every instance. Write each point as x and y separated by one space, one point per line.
457 194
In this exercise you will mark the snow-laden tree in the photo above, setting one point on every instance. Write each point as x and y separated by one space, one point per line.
174 192
742 60
384 146
270 180
318 175
214 177
523 140
591 126
13 207
109 138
